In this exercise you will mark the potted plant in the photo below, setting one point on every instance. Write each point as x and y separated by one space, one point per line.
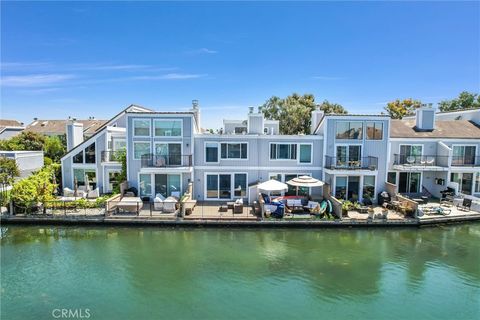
346 205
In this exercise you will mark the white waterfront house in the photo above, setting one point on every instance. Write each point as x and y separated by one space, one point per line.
355 155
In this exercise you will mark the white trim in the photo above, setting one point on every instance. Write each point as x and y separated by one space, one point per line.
205 152
149 128
167 137
84 167
234 159
232 185
137 142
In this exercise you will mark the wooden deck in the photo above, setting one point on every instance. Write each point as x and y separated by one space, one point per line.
210 211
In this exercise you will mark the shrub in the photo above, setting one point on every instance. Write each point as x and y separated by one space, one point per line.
36 188
47 161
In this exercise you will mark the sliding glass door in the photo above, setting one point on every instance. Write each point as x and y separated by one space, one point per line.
349 156
409 182
464 180
226 186
165 184
463 155
347 188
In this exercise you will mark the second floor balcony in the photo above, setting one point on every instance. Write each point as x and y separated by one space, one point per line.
164 161
357 163
420 160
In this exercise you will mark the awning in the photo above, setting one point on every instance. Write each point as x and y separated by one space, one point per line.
272 185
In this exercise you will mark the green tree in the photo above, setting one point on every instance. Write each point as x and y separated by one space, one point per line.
26 140
465 100
38 187
54 148
294 112
121 156
399 108
328 107
8 170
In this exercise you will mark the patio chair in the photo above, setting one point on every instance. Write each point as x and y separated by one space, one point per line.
158 202
169 205
466 204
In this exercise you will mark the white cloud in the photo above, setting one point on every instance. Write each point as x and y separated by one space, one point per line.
34 80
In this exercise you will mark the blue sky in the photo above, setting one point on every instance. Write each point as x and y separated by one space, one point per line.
63 59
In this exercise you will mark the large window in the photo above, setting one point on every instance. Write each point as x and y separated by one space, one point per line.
368 187
283 151
409 182
82 177
392 177
226 186
410 154
349 156
305 153
168 154
374 130
90 153
234 150
211 152
165 184
349 130
140 149
347 188
145 184
78 158
141 127
464 180
167 128
113 180
463 155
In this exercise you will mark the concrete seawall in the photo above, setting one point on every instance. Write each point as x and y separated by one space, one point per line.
102 221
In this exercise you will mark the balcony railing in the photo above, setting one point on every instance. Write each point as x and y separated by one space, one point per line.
466 161
423 160
111 156
159 161
342 163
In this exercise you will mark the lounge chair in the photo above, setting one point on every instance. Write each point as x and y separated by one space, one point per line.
169 205
466 204
158 202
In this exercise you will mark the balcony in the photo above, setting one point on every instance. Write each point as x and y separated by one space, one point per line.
341 163
465 161
112 156
159 161
420 161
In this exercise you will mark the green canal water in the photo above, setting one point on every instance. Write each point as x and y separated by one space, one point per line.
151 273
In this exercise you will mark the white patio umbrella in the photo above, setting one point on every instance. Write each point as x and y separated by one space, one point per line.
305 181
272 186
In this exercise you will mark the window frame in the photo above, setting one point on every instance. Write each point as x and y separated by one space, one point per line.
374 126
205 151
232 142
165 136
232 185
144 142
277 151
348 121
299 147
149 127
